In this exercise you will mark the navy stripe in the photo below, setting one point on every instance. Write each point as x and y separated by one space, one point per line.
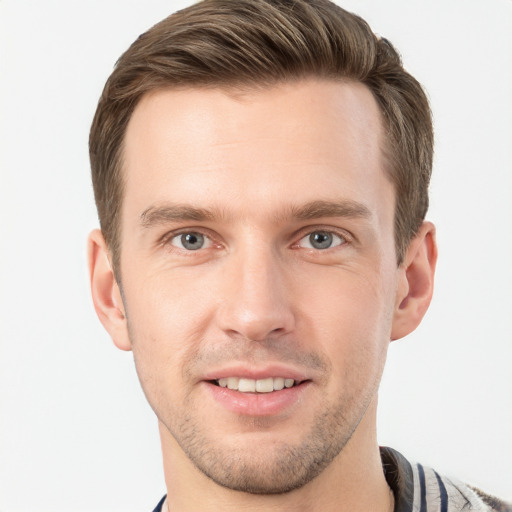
158 508
443 493
423 489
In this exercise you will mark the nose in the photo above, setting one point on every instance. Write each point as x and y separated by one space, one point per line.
256 297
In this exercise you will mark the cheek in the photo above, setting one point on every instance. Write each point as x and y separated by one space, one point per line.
165 328
170 303
351 321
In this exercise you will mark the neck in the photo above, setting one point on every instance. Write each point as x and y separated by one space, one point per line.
354 481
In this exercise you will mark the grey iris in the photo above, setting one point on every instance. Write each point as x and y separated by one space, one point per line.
192 241
320 240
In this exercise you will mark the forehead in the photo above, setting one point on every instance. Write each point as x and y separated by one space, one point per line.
304 141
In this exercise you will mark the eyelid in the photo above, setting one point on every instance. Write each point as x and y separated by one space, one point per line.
336 239
171 235
213 238
346 236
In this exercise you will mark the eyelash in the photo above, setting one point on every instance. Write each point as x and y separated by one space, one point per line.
167 239
342 239
345 238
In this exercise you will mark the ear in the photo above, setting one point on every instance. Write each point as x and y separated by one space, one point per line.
416 282
106 294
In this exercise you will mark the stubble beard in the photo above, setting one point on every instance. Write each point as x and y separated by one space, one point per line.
273 467
276 468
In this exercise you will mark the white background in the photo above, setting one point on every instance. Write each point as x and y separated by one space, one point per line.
75 431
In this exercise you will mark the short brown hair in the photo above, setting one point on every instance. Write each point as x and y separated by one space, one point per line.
252 43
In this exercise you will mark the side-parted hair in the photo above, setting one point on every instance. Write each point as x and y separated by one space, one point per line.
257 43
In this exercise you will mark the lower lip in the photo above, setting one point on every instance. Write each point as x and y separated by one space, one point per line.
257 404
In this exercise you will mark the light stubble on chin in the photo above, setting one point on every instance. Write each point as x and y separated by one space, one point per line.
269 468
273 467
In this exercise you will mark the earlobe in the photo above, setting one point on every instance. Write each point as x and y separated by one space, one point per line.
416 283
105 291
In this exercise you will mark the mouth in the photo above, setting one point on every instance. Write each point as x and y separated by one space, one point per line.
267 385
259 394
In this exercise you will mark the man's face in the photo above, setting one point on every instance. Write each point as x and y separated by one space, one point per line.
258 252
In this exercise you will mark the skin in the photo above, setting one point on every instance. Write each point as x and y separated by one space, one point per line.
256 174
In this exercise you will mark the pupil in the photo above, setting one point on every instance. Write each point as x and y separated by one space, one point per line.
192 241
320 240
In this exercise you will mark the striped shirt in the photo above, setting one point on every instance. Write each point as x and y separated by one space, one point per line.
420 489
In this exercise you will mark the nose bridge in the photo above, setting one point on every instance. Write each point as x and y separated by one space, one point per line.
255 304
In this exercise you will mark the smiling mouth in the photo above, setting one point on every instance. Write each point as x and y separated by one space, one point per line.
267 385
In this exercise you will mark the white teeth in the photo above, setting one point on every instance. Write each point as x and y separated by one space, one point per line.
247 385
265 385
251 385
232 383
278 383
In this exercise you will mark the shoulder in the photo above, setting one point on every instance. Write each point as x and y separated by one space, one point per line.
493 503
418 488
440 493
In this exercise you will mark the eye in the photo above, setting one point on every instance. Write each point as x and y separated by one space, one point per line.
321 240
191 241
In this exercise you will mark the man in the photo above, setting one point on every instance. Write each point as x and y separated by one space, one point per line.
261 173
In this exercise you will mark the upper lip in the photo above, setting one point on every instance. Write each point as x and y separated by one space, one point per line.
248 372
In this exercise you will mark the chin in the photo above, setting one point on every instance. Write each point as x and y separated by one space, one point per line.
263 463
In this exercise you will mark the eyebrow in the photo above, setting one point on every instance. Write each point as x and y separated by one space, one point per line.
342 208
171 212
156 215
